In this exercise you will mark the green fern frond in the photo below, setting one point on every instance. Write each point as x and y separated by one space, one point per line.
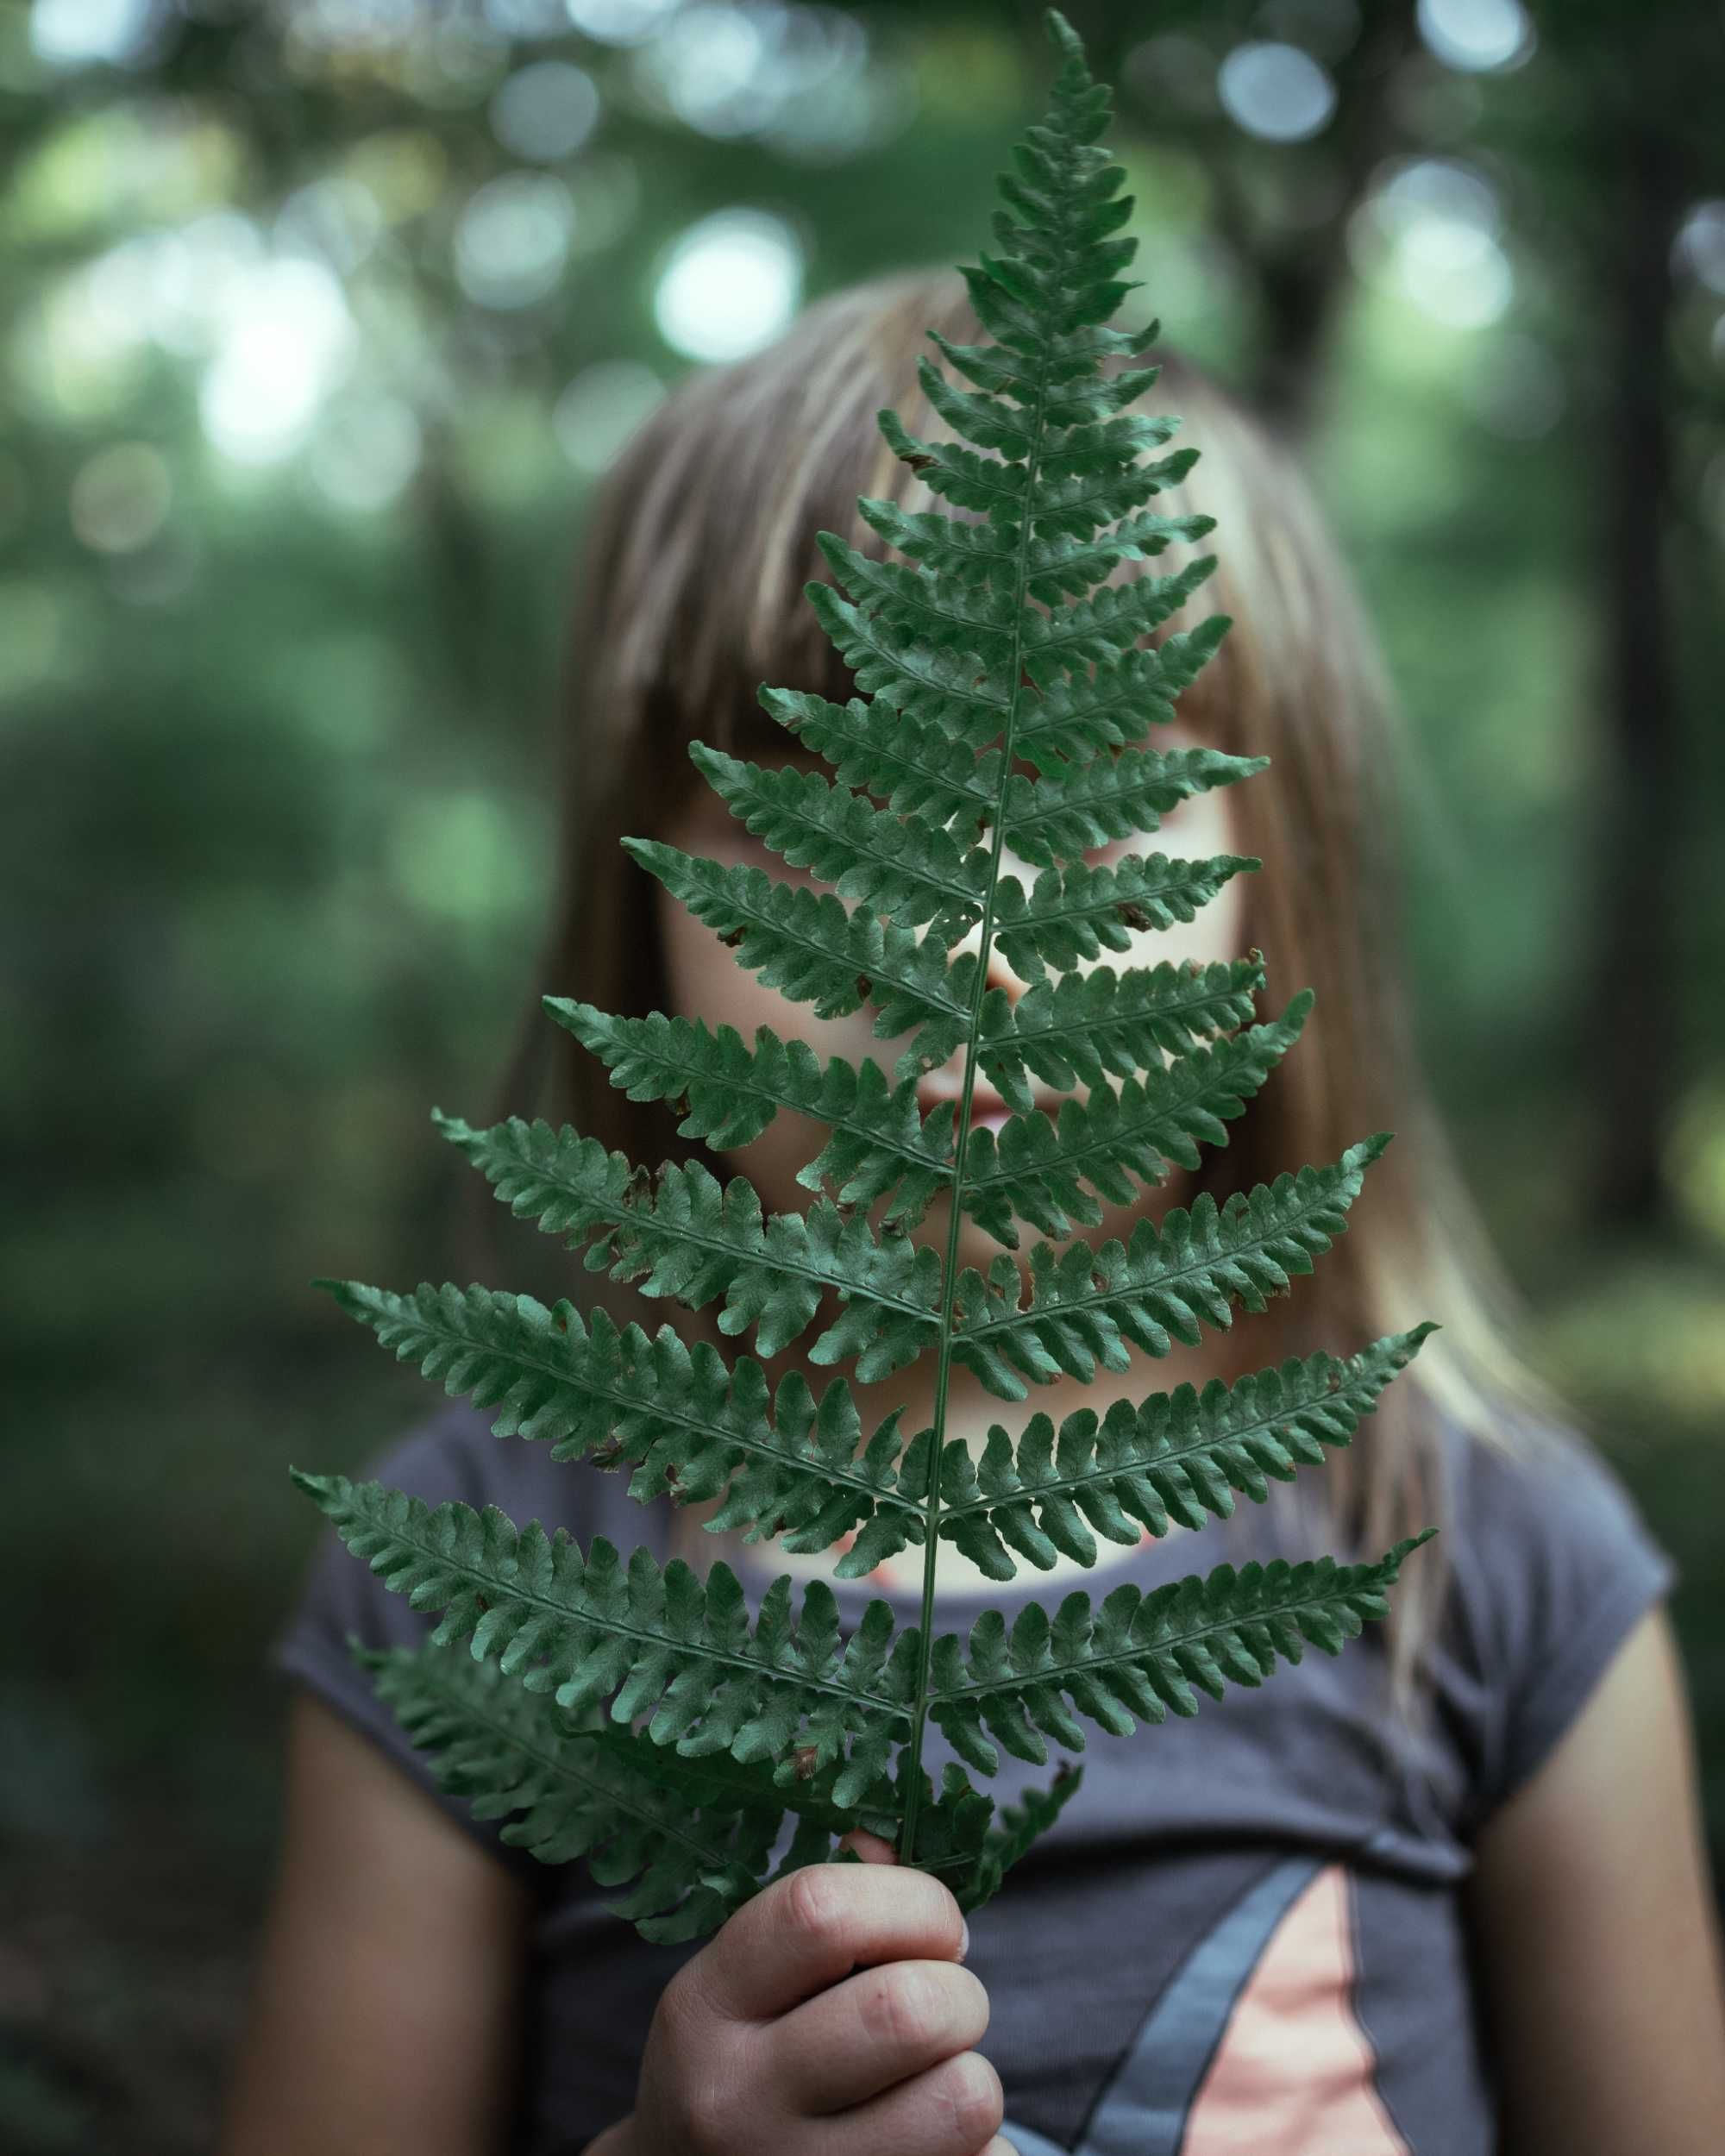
1079 912
1176 1458
903 866
692 1838
585 1629
691 1853
1045 1174
880 1145
684 1234
1074 719
635 1713
910 767
1139 1655
1085 1305
589 1626
1074 808
805 945
1085 1028
692 1426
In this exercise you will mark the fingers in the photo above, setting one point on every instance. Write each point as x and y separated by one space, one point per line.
877 2028
869 1847
805 1932
953 2109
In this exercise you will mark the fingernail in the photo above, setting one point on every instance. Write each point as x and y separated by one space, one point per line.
963 1939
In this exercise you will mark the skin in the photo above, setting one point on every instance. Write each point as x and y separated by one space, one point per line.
832 2016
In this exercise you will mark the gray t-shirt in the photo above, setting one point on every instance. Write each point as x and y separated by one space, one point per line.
1243 1932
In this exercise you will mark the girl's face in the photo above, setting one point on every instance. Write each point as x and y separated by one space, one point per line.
704 982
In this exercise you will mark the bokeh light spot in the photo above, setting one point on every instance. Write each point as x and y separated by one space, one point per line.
85 33
619 22
1475 36
1699 246
1276 91
513 239
546 111
731 283
288 338
119 498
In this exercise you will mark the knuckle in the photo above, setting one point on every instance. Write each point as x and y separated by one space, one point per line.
971 2102
701 2068
707 2110
899 2004
699 2128
814 1905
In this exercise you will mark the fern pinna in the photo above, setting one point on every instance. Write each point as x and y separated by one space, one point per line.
635 1714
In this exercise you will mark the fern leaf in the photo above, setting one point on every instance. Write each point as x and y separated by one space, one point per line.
692 1853
1100 631
1140 1657
693 1839
692 1426
1074 808
1112 1141
805 944
1077 912
879 1144
956 690
686 1235
1087 1305
1177 1458
911 768
900 865
588 1626
922 605
1079 715
1084 1027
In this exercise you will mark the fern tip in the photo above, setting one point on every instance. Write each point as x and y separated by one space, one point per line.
1404 1548
349 1293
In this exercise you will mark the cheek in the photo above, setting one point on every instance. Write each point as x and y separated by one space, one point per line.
1206 824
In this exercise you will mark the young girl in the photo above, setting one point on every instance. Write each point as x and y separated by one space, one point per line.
1444 1889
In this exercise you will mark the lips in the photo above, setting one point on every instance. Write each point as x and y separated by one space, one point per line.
989 1110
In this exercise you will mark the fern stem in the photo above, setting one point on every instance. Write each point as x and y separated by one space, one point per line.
955 1226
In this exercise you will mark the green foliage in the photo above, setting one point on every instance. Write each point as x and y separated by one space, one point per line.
698 1841
637 1715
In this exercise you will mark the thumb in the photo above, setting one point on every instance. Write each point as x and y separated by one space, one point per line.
869 1847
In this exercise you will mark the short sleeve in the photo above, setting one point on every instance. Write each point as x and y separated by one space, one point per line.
341 1594
1554 1567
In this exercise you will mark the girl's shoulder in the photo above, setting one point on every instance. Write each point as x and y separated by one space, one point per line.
1549 1565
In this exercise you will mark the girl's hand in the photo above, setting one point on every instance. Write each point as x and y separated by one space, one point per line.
828 2017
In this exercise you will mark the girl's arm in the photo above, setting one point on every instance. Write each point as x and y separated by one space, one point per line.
383 2005
1599 1938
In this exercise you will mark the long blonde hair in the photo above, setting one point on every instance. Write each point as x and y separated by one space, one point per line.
690 594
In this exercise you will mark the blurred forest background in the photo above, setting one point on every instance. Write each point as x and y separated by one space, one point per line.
318 320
